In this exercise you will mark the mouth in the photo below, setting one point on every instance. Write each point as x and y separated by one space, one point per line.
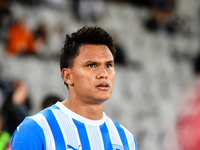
103 86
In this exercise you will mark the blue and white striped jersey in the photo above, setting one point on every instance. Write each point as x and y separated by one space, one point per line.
58 128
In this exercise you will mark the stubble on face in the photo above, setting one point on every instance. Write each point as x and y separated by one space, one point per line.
93 74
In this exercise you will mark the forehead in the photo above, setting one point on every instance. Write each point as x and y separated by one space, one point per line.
95 52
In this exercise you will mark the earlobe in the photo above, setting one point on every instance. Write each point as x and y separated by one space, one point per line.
66 74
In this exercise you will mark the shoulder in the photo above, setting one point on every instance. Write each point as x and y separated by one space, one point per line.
27 135
33 132
30 132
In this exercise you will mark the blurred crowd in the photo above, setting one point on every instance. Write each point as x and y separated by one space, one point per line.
43 43
21 41
16 106
40 41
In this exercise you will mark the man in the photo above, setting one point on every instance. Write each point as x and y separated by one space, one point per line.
87 66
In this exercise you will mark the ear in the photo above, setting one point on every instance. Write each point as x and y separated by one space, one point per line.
67 77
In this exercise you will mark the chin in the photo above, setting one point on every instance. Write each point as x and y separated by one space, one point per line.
104 98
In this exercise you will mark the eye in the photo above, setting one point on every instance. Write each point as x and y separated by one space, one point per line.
92 65
108 65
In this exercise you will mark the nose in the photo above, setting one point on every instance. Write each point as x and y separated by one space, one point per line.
102 73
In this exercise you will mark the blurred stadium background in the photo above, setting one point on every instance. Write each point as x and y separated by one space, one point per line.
156 73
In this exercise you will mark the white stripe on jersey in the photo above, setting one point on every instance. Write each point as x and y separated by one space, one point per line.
89 138
61 126
42 122
94 137
113 132
68 128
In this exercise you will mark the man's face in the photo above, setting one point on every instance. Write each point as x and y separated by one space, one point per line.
93 74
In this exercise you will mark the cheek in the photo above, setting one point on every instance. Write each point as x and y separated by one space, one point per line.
83 78
112 75
113 78
78 74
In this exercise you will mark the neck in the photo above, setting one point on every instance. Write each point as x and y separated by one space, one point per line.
89 111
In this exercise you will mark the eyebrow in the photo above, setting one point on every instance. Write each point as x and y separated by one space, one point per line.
111 61
108 62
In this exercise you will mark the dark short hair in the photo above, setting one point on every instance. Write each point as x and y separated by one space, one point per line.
86 35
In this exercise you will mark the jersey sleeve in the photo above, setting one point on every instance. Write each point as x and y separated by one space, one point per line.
28 136
135 143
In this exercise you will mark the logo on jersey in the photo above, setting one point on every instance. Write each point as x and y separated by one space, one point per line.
69 147
117 147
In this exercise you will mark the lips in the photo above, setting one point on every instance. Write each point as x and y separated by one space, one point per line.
103 86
